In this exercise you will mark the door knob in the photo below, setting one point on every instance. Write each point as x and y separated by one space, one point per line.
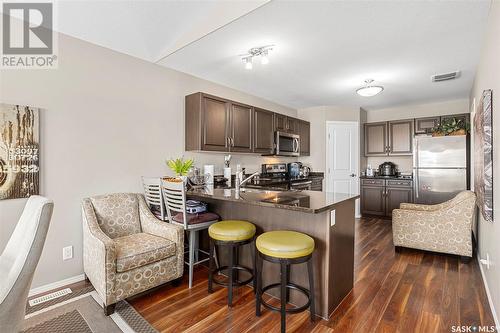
353 175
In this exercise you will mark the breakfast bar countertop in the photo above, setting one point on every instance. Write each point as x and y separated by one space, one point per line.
302 201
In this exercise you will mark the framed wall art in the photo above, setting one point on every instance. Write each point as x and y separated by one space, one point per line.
483 159
19 151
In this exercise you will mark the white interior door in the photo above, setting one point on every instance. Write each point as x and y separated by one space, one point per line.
342 158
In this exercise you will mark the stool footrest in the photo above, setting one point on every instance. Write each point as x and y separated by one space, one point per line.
235 283
290 285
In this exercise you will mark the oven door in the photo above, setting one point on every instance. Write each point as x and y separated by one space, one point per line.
287 144
305 185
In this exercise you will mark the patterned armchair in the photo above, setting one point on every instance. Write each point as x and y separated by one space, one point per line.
126 249
446 227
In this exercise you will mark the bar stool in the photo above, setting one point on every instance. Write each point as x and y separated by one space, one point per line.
231 234
285 248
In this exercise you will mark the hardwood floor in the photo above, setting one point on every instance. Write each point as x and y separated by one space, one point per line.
411 291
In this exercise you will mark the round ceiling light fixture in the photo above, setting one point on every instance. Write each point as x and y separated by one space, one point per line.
262 52
369 90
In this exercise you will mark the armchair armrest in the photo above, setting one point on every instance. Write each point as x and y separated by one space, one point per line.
99 254
154 226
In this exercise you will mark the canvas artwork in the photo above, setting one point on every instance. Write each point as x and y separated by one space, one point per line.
483 161
19 151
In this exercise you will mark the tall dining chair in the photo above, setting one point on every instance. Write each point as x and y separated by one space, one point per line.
154 196
19 260
174 195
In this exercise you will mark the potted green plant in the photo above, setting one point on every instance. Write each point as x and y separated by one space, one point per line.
180 167
453 126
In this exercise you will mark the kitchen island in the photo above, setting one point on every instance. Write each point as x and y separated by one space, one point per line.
327 217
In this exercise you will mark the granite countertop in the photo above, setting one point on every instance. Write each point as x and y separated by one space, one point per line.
387 177
302 201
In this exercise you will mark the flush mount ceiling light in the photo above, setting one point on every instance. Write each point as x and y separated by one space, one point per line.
369 90
262 52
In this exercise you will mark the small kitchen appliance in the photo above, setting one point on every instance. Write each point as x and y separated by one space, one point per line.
294 169
387 169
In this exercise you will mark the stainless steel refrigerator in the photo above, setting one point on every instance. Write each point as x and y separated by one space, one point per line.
440 168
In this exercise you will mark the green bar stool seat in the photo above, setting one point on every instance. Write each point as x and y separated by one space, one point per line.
230 234
285 248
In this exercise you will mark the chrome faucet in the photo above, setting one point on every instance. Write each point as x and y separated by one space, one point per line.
247 179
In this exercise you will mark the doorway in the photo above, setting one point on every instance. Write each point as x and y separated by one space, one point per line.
342 158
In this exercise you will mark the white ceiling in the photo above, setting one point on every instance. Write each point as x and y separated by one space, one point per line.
324 49
147 29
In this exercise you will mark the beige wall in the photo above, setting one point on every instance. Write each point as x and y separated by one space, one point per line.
318 116
487 78
108 120
408 112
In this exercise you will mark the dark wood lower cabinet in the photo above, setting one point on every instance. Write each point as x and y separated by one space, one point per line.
373 200
394 196
379 197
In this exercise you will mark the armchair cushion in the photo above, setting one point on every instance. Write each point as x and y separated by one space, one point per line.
117 214
141 249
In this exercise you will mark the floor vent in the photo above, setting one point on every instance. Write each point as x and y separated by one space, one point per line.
445 76
49 297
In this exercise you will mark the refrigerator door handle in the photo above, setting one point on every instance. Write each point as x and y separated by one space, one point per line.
415 184
415 153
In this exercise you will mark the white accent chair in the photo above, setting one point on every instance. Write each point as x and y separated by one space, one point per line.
153 196
19 260
174 194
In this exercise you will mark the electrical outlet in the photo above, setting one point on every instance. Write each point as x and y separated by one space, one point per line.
68 252
332 218
486 261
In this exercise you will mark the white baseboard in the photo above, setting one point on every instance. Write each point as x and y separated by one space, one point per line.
485 282
55 285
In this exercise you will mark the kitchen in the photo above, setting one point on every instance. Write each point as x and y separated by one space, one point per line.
430 167
283 195
269 165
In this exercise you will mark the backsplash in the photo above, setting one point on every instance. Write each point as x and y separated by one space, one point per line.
404 163
251 163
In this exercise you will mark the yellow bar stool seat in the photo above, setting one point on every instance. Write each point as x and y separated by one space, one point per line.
286 248
231 234
285 244
231 230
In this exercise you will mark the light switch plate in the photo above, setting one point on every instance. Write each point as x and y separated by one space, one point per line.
332 218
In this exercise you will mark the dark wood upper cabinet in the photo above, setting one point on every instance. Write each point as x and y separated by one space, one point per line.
400 137
376 139
280 122
217 124
263 129
206 123
426 125
389 138
240 138
293 125
464 117
304 130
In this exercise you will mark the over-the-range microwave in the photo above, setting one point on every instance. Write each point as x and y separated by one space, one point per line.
286 144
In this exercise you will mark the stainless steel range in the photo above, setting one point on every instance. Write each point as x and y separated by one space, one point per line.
277 176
